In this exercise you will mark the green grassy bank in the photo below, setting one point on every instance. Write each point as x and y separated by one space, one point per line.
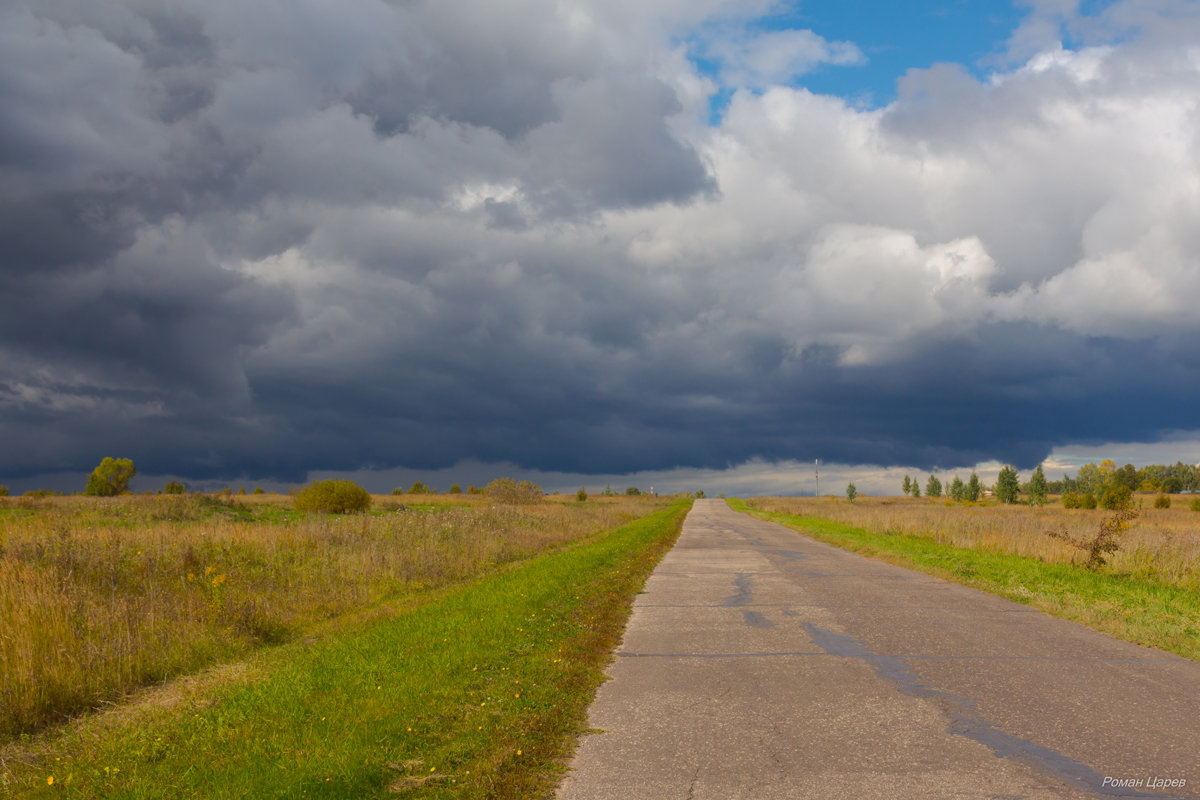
1123 606
480 692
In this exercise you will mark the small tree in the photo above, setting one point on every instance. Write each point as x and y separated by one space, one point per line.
1115 497
907 485
259 490
1008 485
1037 487
506 490
700 495
1162 501
399 490
110 477
957 488
418 488
933 487
455 489
973 489
333 497
916 488
633 491
581 495
174 487
608 491
851 492
3 491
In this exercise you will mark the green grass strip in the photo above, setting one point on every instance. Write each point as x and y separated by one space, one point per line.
1139 611
480 693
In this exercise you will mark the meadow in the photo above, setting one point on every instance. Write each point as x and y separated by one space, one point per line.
101 596
1148 592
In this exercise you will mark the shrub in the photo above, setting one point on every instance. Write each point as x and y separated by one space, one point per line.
333 497
506 490
418 488
3 491
633 491
851 492
1194 504
110 477
399 490
1088 501
174 487
241 490
1162 501
581 495
474 490
1071 500
700 494
455 489
1116 497
258 490
1106 541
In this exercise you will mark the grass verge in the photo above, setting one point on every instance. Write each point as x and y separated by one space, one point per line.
1136 610
479 693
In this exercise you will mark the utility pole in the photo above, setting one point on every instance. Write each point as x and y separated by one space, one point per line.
817 473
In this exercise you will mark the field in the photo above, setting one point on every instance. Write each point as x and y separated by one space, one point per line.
99 597
1148 593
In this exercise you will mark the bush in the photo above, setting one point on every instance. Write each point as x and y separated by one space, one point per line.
333 497
455 489
418 488
633 491
174 487
581 495
700 494
399 490
851 492
110 477
1107 540
506 490
1088 501
3 491
1162 501
258 490
1194 504
1116 497
1071 500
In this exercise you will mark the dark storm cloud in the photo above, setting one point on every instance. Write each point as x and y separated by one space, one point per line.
261 239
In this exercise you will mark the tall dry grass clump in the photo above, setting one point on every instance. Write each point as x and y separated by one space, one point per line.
1162 546
101 596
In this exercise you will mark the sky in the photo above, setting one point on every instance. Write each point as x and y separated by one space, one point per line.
699 243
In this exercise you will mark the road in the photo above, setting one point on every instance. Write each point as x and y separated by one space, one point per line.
761 664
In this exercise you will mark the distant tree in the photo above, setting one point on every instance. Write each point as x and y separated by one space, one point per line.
973 489
915 488
633 491
957 488
1008 485
1172 485
418 488
241 490
455 489
933 487
174 487
608 491
851 492
474 490
700 494
259 490
333 497
1127 476
1162 501
399 490
907 485
507 490
581 495
110 477
1037 487
3 491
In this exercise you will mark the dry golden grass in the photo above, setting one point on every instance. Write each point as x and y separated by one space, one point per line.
101 596
1163 545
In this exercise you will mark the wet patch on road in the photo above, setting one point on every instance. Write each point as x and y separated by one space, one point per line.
757 620
743 591
966 721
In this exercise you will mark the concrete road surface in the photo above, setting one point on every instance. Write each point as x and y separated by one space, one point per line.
761 664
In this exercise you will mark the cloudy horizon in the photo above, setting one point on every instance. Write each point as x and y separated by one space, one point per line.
701 243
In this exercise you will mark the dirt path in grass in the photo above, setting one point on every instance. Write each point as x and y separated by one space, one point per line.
761 664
